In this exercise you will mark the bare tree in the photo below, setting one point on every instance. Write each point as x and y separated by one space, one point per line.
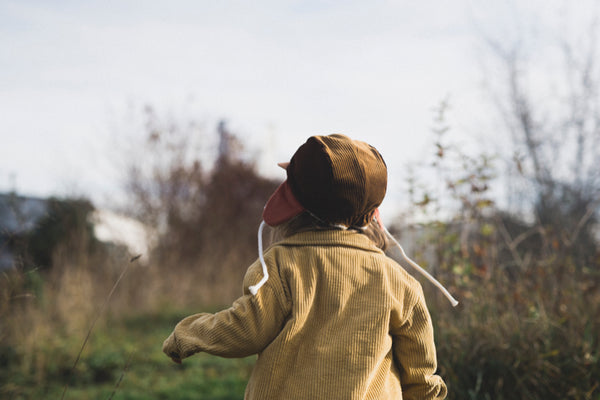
553 121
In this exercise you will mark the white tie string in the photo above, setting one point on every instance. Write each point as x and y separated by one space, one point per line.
426 274
254 289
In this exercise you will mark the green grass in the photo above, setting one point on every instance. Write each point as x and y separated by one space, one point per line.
125 358
484 354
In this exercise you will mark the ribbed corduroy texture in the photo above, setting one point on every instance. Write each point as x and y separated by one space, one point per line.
337 319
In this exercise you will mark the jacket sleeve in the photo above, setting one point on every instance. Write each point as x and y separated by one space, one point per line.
246 328
414 351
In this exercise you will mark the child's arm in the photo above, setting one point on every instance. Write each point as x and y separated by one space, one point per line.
414 350
246 328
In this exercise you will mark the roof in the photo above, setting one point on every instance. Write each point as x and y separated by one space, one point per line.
19 214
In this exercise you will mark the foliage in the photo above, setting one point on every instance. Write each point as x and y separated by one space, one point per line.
65 226
124 360
526 326
529 302
553 129
203 213
62 226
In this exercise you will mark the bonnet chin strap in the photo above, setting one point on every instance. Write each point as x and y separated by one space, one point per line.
254 288
426 274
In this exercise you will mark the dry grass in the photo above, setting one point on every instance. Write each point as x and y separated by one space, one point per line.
517 335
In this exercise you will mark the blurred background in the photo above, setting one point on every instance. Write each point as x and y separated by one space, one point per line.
153 129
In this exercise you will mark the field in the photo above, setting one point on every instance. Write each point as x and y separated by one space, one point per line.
527 326
123 360
498 344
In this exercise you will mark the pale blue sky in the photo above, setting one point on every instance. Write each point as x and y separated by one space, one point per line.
278 71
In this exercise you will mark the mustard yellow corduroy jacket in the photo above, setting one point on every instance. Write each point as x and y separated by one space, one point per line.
337 319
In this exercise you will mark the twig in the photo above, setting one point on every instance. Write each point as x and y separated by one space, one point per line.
590 212
525 235
509 242
89 333
125 369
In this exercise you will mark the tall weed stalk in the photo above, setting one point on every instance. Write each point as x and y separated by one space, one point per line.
529 313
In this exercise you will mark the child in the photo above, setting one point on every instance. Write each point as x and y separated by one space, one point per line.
329 315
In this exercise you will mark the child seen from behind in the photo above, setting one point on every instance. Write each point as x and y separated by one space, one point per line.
328 313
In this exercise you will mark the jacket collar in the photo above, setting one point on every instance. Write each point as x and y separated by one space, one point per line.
332 237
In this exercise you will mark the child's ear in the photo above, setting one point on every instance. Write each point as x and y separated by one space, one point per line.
377 217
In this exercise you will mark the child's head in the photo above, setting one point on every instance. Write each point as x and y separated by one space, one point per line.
337 180
333 181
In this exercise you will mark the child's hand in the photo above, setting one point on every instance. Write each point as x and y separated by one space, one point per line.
171 349
175 358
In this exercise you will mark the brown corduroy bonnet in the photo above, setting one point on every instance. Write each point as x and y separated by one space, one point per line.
337 179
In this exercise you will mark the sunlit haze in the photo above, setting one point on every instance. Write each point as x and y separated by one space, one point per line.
72 72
